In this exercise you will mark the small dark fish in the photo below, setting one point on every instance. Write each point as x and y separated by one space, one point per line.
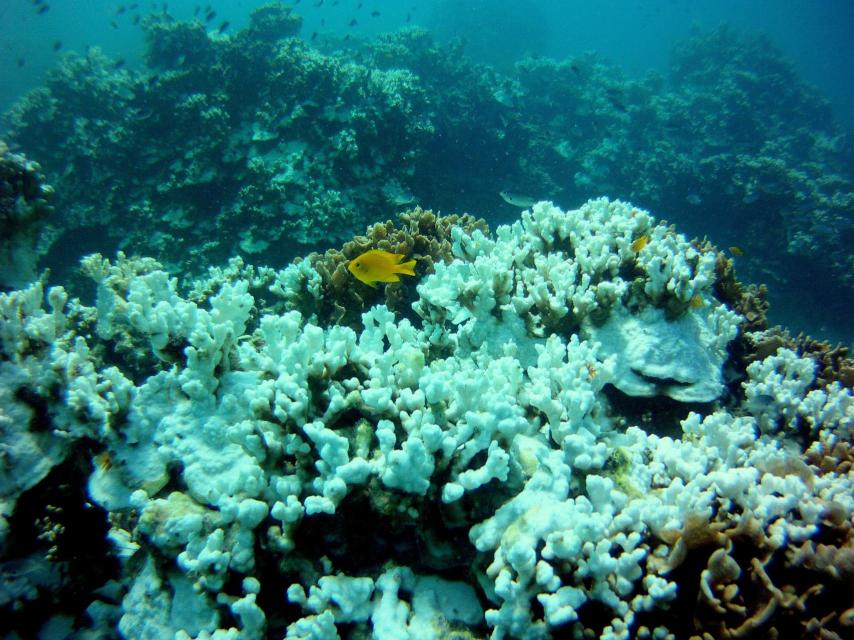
224 27
575 68
136 19
121 9
353 22
43 9
196 10
619 106
335 4
133 6
375 14
37 2
360 5
57 45
21 62
323 22
346 37
119 63
408 17
113 24
319 3
313 35
210 16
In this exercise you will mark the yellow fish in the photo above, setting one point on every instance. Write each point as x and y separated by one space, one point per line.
639 244
696 301
736 251
377 265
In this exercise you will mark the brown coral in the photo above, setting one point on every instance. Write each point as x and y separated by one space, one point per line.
418 234
738 584
750 301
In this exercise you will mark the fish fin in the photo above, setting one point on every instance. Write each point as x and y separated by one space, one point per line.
407 268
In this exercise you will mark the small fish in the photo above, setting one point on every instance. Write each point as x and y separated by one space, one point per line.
618 105
377 265
136 19
224 27
639 243
517 200
408 17
313 35
21 62
210 16
375 14
353 22
120 9
503 97
43 9
737 251
113 24
696 301
693 199
57 45
196 10
118 64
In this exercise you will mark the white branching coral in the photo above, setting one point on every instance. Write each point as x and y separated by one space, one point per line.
244 427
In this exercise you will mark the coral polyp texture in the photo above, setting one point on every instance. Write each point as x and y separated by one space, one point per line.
487 465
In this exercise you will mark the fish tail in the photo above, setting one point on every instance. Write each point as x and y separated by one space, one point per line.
406 268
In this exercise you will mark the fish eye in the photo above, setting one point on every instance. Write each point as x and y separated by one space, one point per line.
358 264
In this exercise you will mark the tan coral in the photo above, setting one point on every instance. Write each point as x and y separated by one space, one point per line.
746 587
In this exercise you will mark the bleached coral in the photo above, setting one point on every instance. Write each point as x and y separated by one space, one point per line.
564 271
484 443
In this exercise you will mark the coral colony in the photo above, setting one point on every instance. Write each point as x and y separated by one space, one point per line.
574 425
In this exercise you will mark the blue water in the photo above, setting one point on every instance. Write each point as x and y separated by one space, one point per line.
818 37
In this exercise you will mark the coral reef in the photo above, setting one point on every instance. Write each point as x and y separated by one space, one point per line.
23 207
422 235
272 148
462 472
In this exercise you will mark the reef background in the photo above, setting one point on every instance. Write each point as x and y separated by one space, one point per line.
727 133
